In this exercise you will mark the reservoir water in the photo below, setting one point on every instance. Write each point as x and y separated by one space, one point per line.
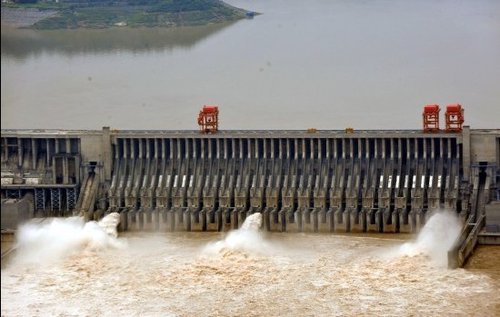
315 64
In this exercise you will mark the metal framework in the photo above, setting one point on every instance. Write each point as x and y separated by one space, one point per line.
454 118
208 119
13 193
431 118
55 199
71 198
40 199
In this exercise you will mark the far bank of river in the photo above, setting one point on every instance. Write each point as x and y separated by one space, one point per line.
20 18
55 15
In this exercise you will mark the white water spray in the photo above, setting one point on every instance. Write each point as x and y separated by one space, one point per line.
252 223
247 239
110 224
435 239
56 238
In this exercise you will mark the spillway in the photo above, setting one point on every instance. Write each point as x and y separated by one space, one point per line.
300 181
326 181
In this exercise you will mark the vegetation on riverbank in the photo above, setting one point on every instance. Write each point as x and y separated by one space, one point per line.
104 14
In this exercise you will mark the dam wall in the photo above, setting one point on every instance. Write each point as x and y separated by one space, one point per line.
301 181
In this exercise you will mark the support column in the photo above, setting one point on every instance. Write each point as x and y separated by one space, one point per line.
141 148
272 148
5 150
303 147
53 161
225 149
65 170
264 148
328 148
132 148
19 152
47 157
156 145
241 148
33 153
344 147
106 152
209 148
466 152
68 146
256 147
219 147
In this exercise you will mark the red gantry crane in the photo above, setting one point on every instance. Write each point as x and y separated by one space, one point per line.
431 118
208 119
454 118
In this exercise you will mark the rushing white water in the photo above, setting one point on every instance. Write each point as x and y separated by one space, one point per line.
434 240
248 273
252 222
54 239
246 239
110 224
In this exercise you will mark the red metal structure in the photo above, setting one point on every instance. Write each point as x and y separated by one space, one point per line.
431 118
454 118
208 119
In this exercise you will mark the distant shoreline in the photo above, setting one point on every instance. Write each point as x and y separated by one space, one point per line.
100 15
24 17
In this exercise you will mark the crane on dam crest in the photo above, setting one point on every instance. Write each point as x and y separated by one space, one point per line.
208 119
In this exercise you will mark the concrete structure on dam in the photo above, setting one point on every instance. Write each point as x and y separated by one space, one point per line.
310 181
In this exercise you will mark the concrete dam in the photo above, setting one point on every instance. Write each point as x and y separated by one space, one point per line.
309 181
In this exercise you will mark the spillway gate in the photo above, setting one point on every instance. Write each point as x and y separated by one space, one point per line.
298 184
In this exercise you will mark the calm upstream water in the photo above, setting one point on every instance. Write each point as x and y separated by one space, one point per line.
321 63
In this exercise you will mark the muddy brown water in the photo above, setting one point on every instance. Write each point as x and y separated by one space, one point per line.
213 274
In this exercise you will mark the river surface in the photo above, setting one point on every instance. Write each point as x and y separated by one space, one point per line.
301 64
245 273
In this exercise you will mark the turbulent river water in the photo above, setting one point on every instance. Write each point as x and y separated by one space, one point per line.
65 268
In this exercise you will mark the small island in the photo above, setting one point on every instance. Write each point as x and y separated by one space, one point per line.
70 14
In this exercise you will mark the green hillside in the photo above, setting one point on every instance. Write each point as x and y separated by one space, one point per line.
133 13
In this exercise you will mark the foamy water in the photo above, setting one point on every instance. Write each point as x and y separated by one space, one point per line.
434 240
248 239
56 238
250 273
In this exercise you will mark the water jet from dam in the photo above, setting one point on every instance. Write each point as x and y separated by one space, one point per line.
52 240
